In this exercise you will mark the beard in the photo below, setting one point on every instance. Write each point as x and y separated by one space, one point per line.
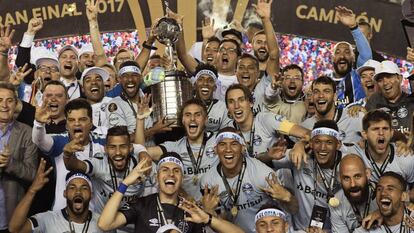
261 58
343 72
364 194
71 203
329 106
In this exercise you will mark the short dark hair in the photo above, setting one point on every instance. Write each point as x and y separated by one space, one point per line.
205 66
292 67
228 129
123 50
238 49
260 32
269 205
325 80
213 39
10 87
155 56
129 63
171 154
119 130
77 104
246 55
326 124
396 176
376 115
247 93
194 101
57 83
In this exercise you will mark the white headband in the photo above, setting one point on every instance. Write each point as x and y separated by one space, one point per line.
230 135
207 72
170 159
129 69
81 176
326 131
270 213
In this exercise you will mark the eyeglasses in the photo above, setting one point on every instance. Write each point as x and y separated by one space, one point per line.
227 50
292 78
53 69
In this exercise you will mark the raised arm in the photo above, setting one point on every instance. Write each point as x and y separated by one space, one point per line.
19 221
39 136
263 9
92 15
69 158
6 36
23 54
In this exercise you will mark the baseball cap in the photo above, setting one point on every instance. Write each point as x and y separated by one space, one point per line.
68 47
41 54
86 48
232 31
95 70
370 64
386 67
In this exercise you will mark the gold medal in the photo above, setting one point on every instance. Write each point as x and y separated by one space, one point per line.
234 211
195 179
334 202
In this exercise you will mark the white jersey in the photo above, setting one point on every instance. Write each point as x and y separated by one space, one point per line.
120 111
397 163
251 196
217 116
344 218
99 115
56 152
308 192
264 132
58 221
225 82
106 181
259 94
349 127
191 182
72 88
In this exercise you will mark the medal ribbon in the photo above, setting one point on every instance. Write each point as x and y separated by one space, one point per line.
197 164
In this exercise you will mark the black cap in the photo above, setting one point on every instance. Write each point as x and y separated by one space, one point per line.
232 32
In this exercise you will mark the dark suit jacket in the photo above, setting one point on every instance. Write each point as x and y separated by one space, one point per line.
21 170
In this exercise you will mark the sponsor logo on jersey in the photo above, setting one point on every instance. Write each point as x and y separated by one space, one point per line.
183 225
113 119
153 222
212 121
190 170
255 201
309 190
247 188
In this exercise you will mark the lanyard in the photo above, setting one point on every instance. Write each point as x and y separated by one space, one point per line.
197 164
124 97
251 142
403 227
329 185
210 106
161 215
379 170
234 196
112 171
371 197
85 225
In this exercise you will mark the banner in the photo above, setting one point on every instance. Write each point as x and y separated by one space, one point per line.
314 18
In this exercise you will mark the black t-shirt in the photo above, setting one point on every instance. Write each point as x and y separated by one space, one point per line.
144 215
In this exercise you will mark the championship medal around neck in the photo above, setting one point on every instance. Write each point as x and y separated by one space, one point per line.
234 211
334 202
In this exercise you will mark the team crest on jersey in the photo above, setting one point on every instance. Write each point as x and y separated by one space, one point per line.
210 152
153 222
112 107
183 226
402 112
247 188
257 140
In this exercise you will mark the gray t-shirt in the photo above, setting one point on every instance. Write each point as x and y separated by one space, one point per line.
344 218
251 196
259 94
217 116
57 221
106 181
349 127
191 182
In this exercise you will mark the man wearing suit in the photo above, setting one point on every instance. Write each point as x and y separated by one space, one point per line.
18 155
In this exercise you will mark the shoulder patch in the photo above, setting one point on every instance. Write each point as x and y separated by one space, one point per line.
112 107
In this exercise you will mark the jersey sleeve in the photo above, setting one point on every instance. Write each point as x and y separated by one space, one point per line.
132 213
59 141
338 225
38 222
170 146
95 167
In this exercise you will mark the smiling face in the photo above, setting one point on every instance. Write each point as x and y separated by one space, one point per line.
324 98
238 106
343 59
55 96
378 136
194 121
170 178
271 224
354 180
79 123
118 149
210 52
260 47
93 87
78 194
130 83
205 87
8 103
47 71
68 62
87 60
390 86
368 82
390 196
324 148
229 152
292 83
247 72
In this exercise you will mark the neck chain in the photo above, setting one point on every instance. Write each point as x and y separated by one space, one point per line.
379 170
162 220
112 172
85 225
329 185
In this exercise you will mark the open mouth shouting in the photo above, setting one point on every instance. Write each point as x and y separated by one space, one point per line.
321 104
67 67
53 107
342 64
192 128
385 204
118 161
238 114
78 203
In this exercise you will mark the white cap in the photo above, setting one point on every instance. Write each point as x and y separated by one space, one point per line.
95 70
86 48
68 47
368 65
387 67
342 42
39 54
168 227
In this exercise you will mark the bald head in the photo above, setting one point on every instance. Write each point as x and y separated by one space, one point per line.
354 178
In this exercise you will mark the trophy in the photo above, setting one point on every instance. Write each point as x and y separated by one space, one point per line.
170 94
